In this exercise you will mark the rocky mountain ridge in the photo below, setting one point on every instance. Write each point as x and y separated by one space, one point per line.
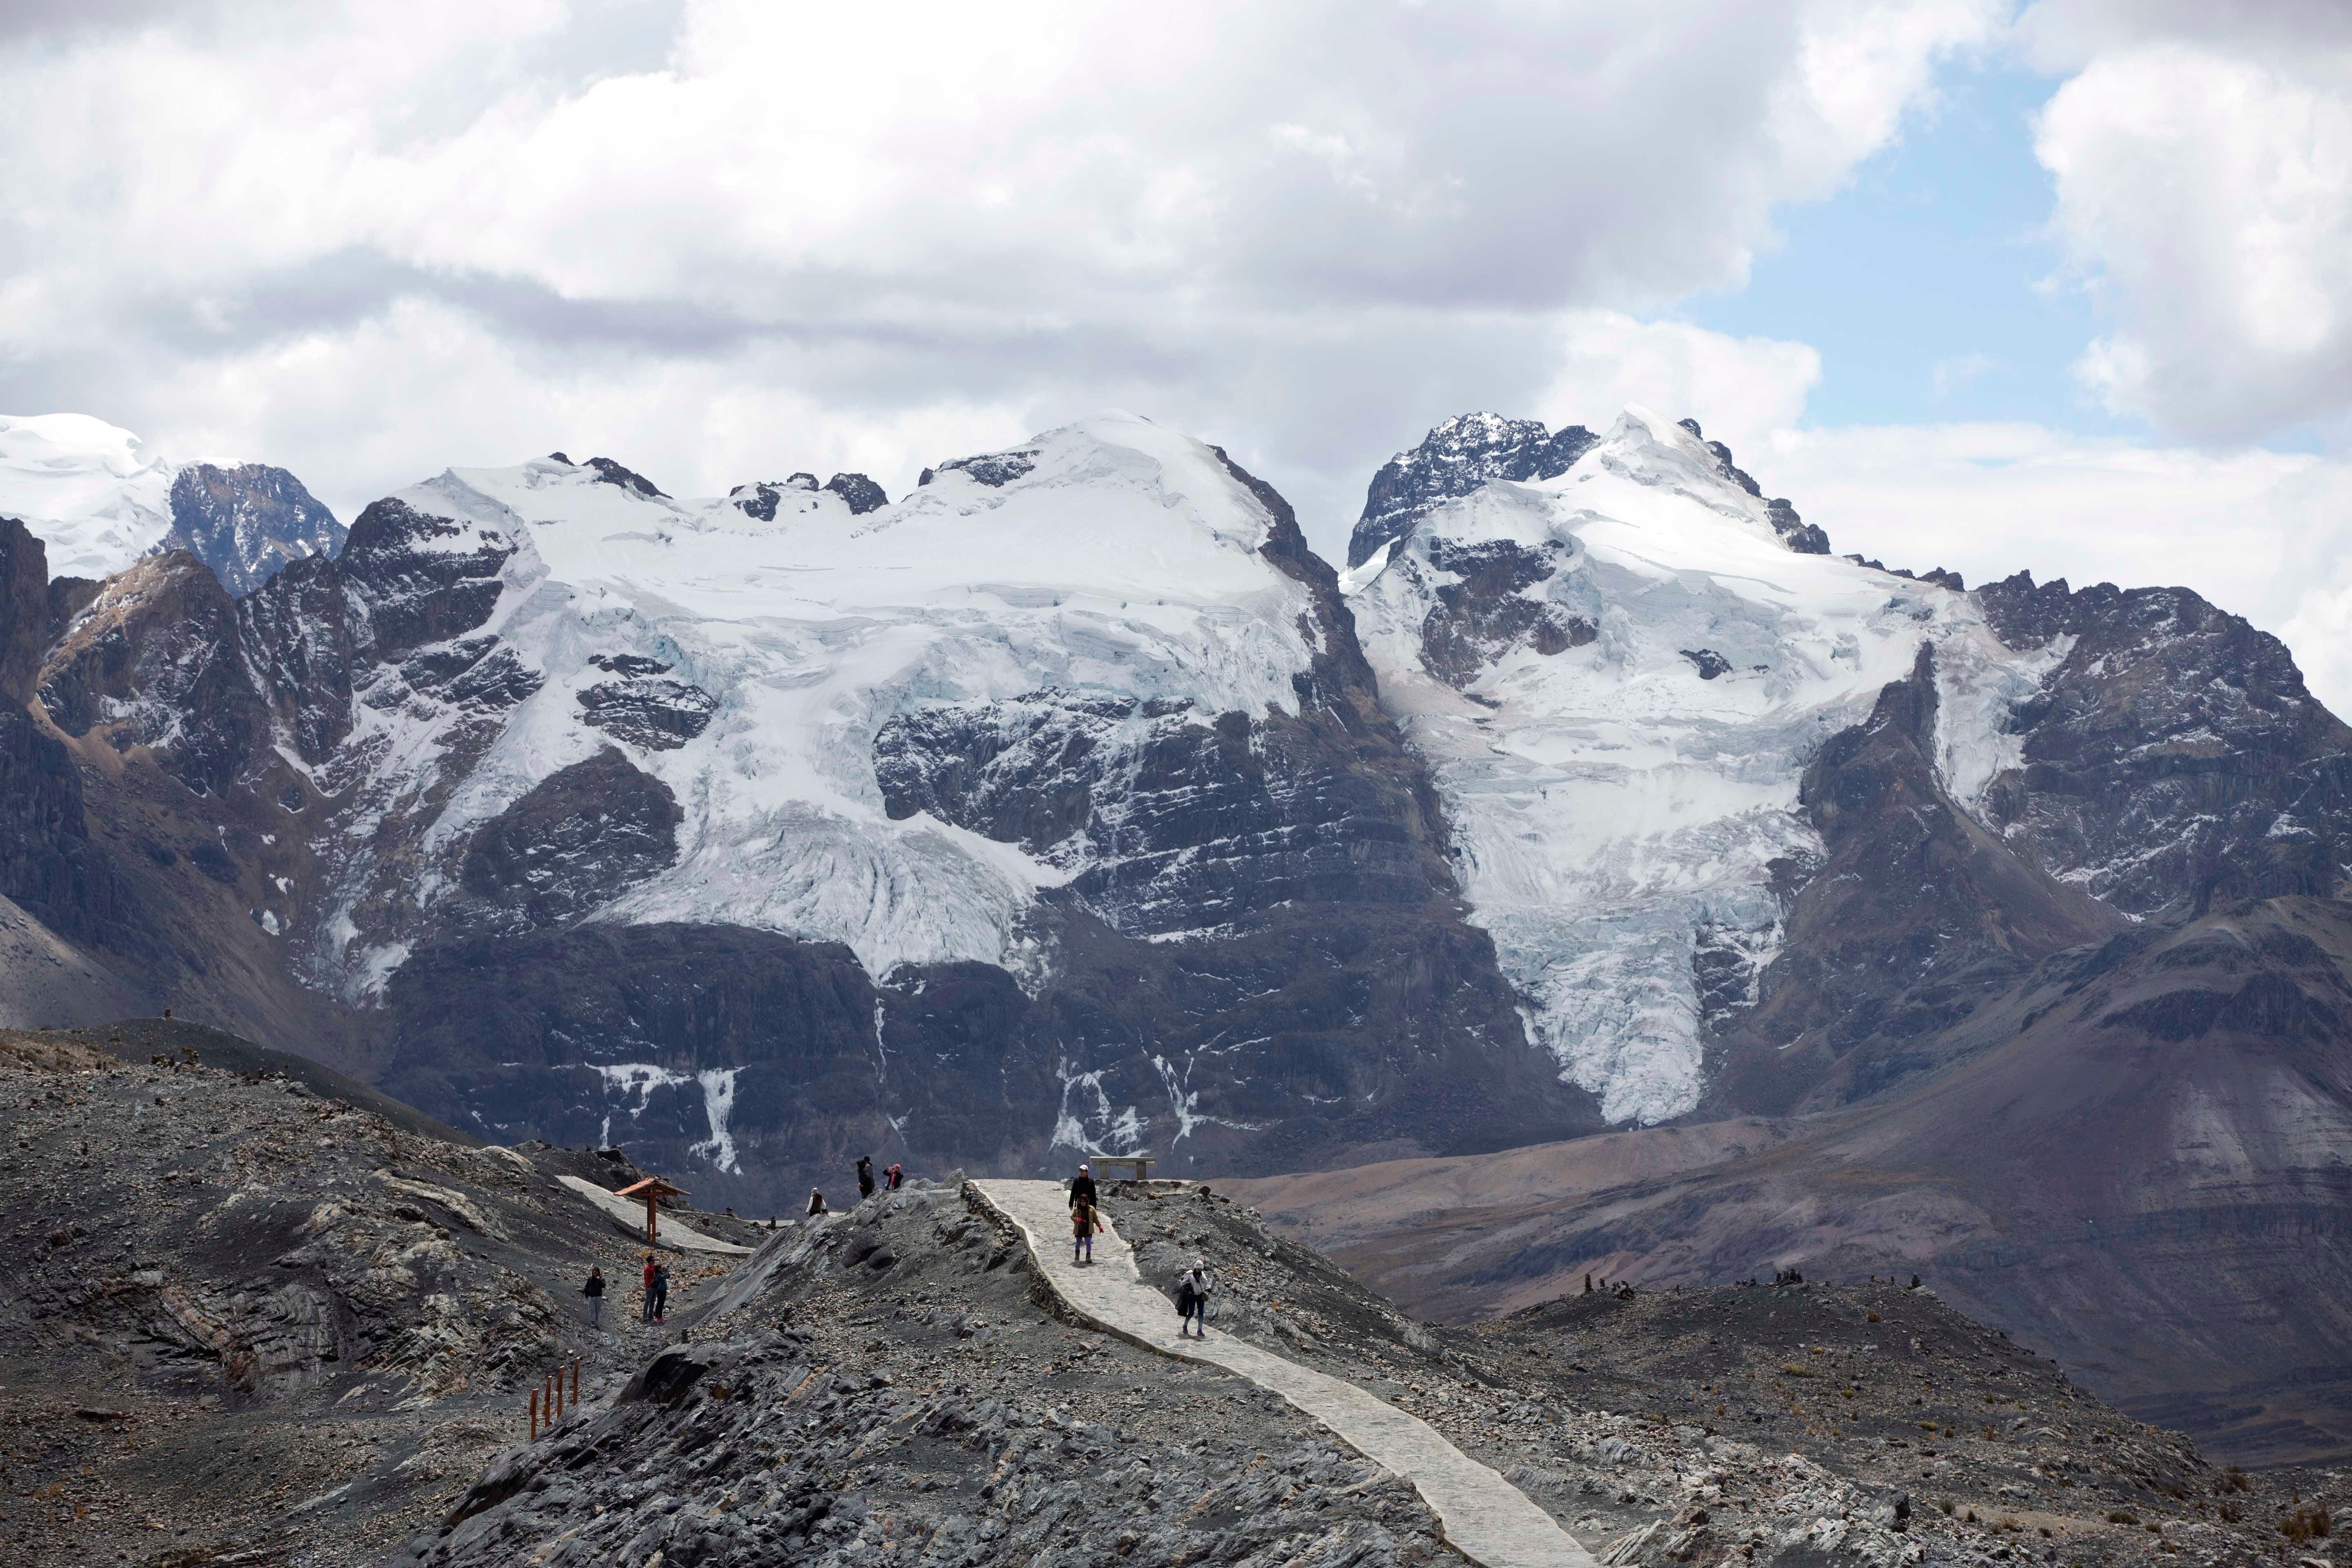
1069 805
99 505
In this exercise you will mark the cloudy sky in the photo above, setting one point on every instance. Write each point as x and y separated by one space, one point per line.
2066 286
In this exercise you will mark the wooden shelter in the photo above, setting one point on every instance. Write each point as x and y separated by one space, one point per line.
652 1190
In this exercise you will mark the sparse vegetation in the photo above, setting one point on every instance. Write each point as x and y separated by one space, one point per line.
2306 1523
2118 1516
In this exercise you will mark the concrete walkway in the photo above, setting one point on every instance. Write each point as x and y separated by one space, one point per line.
1483 1516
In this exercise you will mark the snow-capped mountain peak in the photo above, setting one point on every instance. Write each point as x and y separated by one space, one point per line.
88 492
85 489
1618 674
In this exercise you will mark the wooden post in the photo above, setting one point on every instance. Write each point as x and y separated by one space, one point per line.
650 1238
534 1416
575 1380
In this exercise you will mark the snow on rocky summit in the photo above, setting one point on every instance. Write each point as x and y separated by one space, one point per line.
1618 675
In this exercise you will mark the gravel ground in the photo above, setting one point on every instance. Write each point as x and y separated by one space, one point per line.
241 1321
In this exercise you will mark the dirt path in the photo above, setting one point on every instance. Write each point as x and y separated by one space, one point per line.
1485 1518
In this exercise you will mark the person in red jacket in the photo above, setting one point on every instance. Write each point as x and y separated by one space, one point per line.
649 1314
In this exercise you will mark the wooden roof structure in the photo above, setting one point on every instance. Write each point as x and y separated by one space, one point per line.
652 1190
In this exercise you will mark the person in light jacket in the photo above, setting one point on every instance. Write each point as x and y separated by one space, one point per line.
1193 1299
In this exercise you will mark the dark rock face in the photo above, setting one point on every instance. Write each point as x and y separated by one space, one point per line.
757 501
993 469
574 840
649 712
1708 662
322 633
248 522
1917 917
1179 823
1483 614
25 611
2174 757
862 493
611 473
510 1031
1454 460
155 659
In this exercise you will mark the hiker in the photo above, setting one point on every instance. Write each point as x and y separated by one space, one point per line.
649 1314
594 1291
866 1175
1082 1190
817 1202
1083 1225
895 1177
1588 1284
1193 1299
661 1293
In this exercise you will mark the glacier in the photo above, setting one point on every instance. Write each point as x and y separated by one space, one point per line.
1623 785
1115 557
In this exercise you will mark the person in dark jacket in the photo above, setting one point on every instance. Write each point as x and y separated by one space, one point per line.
1082 1190
594 1291
661 1293
866 1175
816 1201
895 1177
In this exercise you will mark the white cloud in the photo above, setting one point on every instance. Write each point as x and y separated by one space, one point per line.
2267 535
357 240
1960 370
2203 157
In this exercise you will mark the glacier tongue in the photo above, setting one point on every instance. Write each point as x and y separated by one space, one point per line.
1617 676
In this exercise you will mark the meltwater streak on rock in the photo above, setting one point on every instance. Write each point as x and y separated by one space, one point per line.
1486 1518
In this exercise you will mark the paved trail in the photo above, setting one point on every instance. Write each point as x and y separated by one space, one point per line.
1485 1518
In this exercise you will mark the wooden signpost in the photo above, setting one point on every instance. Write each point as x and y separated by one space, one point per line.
652 1189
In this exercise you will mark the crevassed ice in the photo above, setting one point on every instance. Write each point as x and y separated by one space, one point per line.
1610 805
1124 561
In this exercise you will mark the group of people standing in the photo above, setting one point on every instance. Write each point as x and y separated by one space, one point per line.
893 1179
657 1303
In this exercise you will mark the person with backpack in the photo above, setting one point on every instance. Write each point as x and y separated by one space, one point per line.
661 1294
1083 1225
866 1175
1082 1190
594 1291
1193 1299
817 1202
648 1315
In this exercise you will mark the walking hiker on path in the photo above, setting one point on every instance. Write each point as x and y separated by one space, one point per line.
661 1293
1082 1190
649 1314
866 1175
594 1291
1193 1299
816 1201
1083 1225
